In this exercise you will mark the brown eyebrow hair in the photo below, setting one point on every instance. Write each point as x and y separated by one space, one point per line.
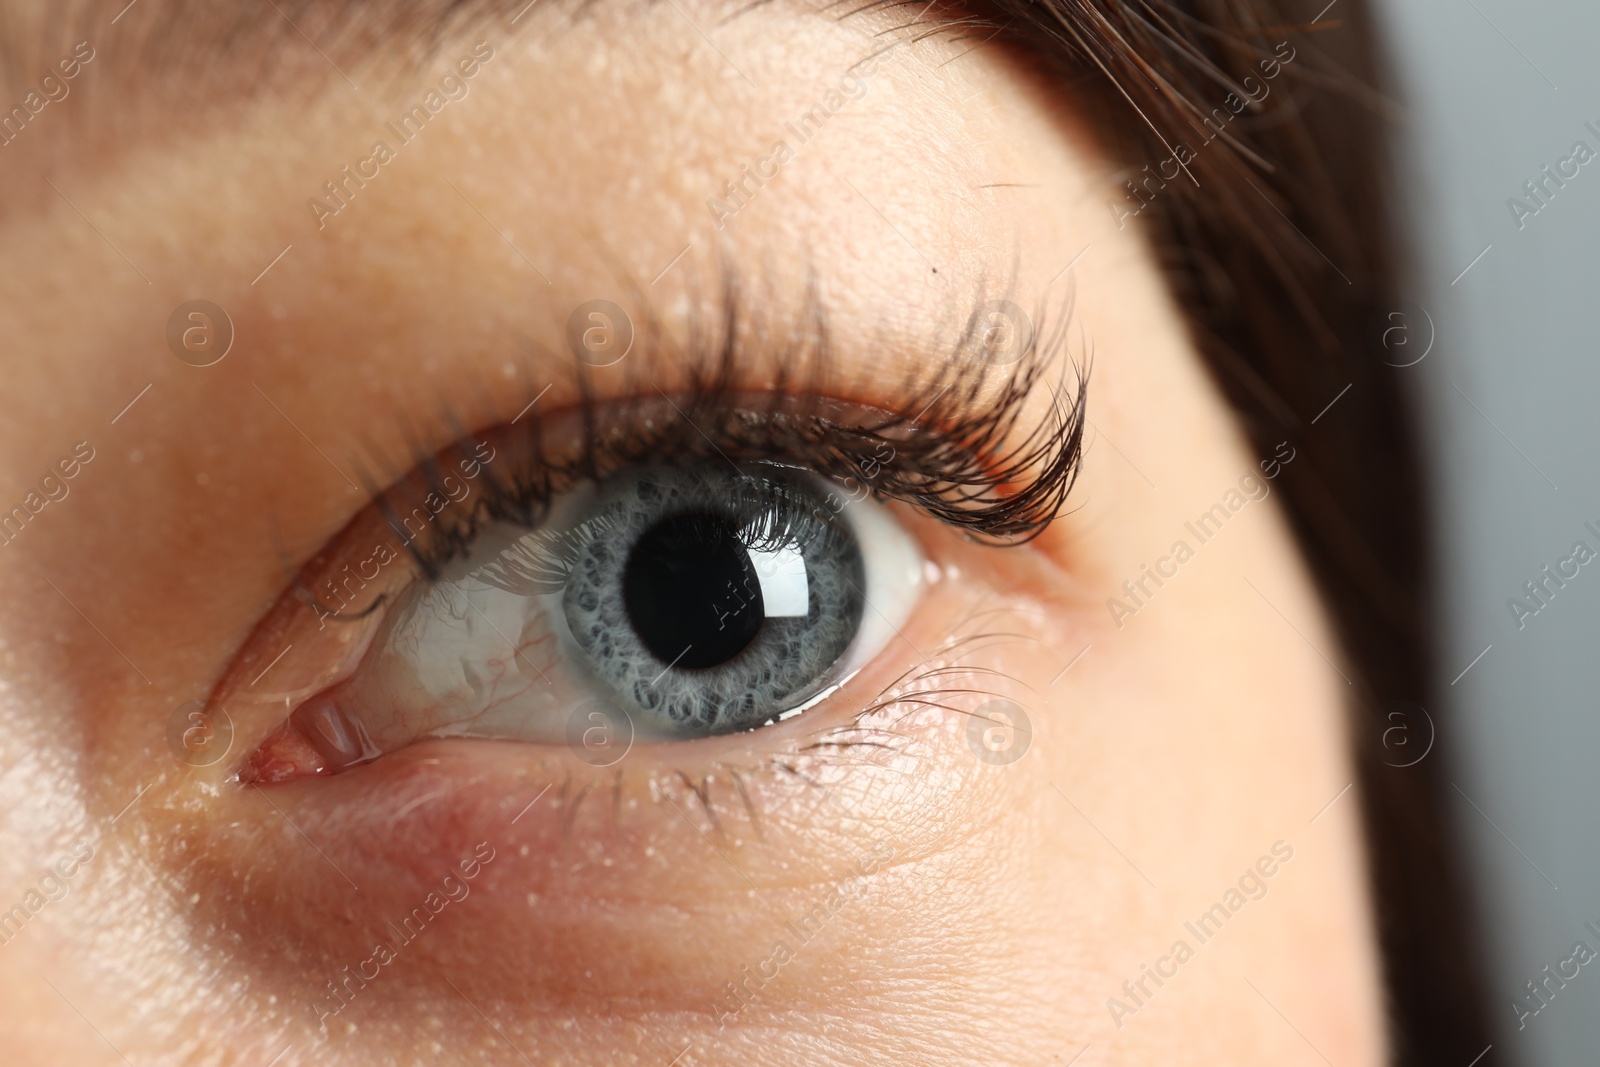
246 42
241 49
251 40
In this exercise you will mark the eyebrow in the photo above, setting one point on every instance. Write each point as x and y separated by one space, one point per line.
205 44
194 40
154 58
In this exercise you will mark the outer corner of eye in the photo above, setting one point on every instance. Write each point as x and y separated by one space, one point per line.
689 599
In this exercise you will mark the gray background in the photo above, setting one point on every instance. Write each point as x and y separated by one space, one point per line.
1495 90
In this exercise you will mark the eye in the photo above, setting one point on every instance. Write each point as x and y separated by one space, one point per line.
644 570
664 602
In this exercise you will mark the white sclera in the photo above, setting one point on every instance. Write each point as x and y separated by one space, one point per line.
896 575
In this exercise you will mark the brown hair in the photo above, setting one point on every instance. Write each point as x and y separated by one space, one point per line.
1274 229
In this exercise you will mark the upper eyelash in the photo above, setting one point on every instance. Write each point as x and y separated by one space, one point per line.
949 441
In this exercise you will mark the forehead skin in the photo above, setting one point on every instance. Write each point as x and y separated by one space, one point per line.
579 165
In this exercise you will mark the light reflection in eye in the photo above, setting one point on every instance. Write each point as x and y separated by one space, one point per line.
782 574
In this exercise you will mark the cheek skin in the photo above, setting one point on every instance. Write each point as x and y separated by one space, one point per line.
1216 730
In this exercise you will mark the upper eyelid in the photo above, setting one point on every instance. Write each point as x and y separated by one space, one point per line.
953 429
885 454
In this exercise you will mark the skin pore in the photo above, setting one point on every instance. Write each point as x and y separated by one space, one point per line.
971 911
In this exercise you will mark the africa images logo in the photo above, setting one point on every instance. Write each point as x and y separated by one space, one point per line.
1252 886
454 887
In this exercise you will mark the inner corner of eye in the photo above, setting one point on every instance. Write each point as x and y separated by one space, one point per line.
663 603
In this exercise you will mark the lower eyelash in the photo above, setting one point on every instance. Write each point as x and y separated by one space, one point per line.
905 691
721 794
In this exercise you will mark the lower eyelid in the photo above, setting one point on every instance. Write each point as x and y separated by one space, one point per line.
587 858
663 798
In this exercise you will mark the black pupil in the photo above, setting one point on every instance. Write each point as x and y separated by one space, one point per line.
691 593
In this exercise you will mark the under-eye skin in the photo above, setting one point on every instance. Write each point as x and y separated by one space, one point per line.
713 564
